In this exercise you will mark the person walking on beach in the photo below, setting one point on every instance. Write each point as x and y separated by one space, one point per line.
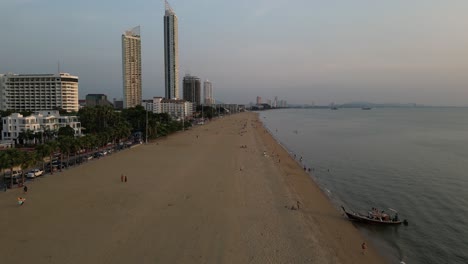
125 179
25 189
122 178
363 247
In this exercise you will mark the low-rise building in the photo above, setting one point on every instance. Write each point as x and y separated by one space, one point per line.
40 121
176 108
229 108
97 99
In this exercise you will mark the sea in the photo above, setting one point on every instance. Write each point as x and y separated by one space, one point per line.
413 160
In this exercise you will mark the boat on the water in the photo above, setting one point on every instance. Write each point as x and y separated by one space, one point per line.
375 217
366 108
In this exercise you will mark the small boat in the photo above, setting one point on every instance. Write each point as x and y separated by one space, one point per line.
375 217
334 108
366 108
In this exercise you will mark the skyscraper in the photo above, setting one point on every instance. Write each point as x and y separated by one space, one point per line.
208 92
192 89
131 67
171 53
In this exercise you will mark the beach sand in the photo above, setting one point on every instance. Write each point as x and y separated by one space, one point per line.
193 197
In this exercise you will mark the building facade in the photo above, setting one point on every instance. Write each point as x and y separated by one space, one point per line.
40 121
208 93
171 53
176 108
259 100
131 67
148 105
192 89
36 92
2 92
97 99
228 108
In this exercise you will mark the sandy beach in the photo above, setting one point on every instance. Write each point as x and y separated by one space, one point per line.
193 197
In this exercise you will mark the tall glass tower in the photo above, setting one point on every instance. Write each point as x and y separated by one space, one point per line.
131 67
171 53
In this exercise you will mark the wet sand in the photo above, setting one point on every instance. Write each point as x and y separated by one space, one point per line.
193 197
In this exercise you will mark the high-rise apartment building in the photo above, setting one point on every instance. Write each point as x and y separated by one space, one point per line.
36 92
131 67
259 100
192 89
208 92
171 53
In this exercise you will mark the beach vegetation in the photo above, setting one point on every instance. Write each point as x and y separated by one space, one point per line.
66 131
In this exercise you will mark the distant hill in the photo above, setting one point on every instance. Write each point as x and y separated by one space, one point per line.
361 105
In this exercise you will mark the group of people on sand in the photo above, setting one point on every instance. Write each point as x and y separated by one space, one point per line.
21 200
123 178
379 215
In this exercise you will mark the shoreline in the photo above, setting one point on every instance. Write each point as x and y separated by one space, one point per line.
191 197
297 180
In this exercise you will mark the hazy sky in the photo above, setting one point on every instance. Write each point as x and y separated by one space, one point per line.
302 51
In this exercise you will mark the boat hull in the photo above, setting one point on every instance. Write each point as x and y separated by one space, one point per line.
364 219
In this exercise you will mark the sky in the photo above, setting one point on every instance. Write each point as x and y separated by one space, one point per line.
302 51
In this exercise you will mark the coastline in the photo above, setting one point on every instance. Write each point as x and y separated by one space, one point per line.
340 236
195 197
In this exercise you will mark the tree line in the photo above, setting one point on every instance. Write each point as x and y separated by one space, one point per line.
100 125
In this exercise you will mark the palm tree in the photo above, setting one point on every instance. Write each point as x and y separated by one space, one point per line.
52 147
64 146
13 160
29 135
3 165
75 146
43 151
27 160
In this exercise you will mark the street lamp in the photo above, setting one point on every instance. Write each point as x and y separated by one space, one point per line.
146 124
183 118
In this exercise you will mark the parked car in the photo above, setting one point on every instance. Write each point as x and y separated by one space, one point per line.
34 173
16 174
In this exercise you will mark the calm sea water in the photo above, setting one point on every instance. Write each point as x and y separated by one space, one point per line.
412 160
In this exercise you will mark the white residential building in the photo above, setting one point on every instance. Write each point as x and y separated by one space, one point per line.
176 108
2 92
41 121
36 92
148 105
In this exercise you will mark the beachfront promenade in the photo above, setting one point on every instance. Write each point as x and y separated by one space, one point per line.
193 197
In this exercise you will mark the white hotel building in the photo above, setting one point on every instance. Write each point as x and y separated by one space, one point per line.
176 108
37 92
41 121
